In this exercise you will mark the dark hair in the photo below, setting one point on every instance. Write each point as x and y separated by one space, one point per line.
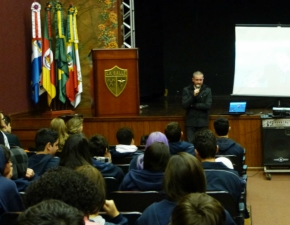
43 137
183 175
98 145
124 136
156 157
75 152
50 212
205 143
7 120
221 126
173 132
198 209
66 185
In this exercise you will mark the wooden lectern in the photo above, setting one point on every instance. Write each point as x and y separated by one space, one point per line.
115 82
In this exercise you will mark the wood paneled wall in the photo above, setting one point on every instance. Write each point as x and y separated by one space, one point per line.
244 129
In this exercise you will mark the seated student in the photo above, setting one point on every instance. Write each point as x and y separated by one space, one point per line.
219 177
74 125
94 175
58 125
126 145
137 161
98 146
12 138
156 157
10 199
198 209
226 145
51 212
75 189
183 175
174 134
46 145
76 152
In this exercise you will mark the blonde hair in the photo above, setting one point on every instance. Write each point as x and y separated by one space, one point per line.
74 124
58 125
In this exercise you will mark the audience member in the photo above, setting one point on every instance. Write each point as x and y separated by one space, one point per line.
75 152
46 145
137 161
156 157
74 125
219 177
126 145
51 212
6 128
75 189
94 175
98 146
58 125
226 145
10 200
183 175
198 209
174 134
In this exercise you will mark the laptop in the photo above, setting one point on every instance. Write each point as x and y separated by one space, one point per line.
237 108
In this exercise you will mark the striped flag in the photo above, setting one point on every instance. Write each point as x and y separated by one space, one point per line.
36 52
48 73
60 53
74 85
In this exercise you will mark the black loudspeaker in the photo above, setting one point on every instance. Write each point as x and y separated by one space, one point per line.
276 146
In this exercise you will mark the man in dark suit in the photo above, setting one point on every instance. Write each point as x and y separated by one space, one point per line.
6 128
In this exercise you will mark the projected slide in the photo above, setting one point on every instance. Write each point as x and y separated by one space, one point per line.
262 66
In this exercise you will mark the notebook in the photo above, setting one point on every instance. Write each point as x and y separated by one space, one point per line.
237 108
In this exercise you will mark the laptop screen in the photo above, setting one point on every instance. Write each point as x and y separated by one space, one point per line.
237 107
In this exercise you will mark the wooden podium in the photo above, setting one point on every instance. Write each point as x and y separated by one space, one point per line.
115 82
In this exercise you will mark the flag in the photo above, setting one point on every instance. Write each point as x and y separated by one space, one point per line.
74 86
48 73
71 84
60 53
36 52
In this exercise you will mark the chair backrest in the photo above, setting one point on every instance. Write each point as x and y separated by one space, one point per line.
124 167
112 184
135 200
122 160
131 216
238 166
9 218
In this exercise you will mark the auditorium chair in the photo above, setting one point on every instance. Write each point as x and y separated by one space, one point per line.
112 184
128 201
124 167
237 211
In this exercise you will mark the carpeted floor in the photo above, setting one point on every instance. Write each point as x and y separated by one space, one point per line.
269 200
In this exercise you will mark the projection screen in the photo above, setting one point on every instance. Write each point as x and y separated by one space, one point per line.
262 64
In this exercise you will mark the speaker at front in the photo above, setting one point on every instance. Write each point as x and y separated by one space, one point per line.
276 146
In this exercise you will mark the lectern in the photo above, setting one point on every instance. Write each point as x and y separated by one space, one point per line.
115 82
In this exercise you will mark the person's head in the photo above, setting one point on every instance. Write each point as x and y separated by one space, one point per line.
50 212
221 126
183 175
156 137
125 136
6 169
2 121
98 145
46 140
74 125
75 152
156 157
197 78
173 132
198 209
66 185
7 122
58 124
94 175
205 144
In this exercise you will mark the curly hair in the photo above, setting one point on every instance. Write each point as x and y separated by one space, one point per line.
73 126
68 186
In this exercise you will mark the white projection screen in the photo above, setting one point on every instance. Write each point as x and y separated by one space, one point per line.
262 65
